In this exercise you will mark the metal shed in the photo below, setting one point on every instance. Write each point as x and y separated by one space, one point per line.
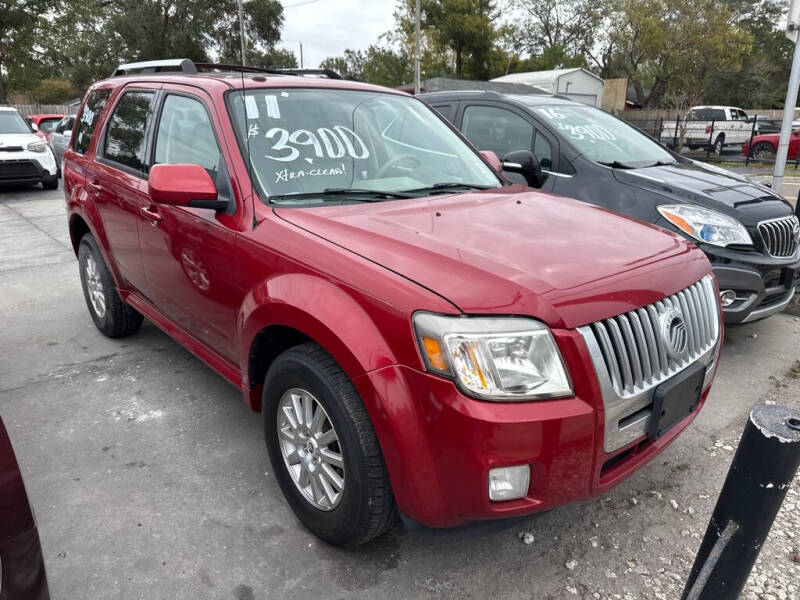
578 84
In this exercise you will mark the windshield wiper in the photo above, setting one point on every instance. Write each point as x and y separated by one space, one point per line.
451 185
616 165
363 195
661 163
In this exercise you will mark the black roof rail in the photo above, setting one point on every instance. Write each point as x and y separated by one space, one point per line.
186 66
181 65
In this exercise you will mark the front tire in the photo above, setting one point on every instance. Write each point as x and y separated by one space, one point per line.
112 317
323 448
762 151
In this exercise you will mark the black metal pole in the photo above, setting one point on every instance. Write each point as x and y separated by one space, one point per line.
758 480
675 137
710 135
750 144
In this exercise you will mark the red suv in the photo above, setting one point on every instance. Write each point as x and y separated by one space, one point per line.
420 336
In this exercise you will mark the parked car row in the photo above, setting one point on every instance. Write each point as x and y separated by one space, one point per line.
418 320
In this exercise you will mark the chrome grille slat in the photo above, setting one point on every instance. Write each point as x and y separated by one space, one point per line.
633 350
778 236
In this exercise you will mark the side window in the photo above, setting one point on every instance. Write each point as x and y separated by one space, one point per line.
742 115
125 134
87 119
186 135
734 114
543 151
446 110
496 129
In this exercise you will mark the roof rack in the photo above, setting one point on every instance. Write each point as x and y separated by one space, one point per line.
185 66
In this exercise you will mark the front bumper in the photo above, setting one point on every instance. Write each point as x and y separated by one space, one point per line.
439 444
763 285
27 167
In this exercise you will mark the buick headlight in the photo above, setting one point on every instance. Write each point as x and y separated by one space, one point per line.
39 146
494 358
706 225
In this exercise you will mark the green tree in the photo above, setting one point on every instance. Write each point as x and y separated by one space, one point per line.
17 35
377 64
670 50
54 91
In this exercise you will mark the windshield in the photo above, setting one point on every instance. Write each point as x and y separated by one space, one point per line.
312 141
48 125
11 122
604 138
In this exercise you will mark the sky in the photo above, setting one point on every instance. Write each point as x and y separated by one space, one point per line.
327 27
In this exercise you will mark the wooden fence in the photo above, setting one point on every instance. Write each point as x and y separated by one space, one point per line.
645 114
38 109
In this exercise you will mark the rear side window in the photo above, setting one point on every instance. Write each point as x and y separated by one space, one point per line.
126 129
87 120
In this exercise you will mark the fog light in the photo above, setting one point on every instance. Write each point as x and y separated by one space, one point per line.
727 297
509 483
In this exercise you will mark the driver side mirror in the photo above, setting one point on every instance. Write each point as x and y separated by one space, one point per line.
491 158
184 185
526 164
34 126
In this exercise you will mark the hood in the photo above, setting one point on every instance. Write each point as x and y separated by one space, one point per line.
506 252
12 140
710 187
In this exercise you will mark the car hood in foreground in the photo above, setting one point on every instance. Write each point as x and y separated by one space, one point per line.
500 252
710 187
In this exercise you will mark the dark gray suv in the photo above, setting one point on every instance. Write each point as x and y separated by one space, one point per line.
748 232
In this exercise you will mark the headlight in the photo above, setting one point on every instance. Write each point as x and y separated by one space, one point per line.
39 146
706 225
494 358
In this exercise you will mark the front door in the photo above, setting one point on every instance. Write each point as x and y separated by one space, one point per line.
188 252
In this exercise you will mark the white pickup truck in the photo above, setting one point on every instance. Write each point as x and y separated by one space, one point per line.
718 126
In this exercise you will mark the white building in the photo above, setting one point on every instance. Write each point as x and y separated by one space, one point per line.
578 84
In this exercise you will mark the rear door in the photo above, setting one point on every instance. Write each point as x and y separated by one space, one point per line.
116 178
188 252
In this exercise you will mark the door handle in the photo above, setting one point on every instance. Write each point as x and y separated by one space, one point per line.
151 214
95 187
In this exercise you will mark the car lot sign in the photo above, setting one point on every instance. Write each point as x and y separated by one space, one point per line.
793 20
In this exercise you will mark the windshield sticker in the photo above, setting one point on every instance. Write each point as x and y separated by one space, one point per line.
253 130
588 129
323 141
285 175
273 111
250 106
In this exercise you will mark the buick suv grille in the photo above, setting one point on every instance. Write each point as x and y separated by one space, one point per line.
634 352
780 236
641 349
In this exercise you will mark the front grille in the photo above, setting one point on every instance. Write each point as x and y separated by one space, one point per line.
18 169
634 350
780 236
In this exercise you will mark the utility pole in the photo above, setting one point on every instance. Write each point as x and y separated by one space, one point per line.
301 55
241 30
792 28
416 48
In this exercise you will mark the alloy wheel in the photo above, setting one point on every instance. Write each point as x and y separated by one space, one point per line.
94 285
310 448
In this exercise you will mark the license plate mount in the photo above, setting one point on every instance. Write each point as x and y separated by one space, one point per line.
676 399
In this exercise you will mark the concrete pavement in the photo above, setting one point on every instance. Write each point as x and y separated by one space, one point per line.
149 477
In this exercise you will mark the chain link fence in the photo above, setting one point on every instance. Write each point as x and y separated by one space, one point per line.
751 142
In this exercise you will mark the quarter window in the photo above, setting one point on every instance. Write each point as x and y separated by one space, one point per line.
125 134
543 151
87 120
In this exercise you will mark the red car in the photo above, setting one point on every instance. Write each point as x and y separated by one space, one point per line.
420 336
22 573
765 146
45 124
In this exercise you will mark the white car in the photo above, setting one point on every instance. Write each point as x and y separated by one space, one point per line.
24 157
711 126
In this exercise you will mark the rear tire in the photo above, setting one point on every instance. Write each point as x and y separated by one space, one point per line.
719 145
762 151
112 317
364 507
